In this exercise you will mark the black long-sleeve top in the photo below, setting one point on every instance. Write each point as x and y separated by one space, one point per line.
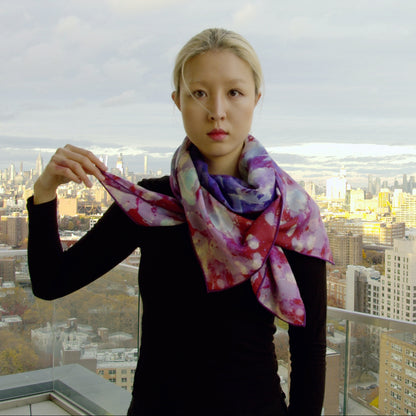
201 353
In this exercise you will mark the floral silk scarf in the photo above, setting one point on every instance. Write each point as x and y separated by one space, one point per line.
231 246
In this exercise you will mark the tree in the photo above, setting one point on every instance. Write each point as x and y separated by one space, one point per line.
15 303
43 311
16 355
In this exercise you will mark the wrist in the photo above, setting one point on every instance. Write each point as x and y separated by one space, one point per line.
42 194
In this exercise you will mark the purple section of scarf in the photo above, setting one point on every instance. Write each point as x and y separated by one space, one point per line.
234 193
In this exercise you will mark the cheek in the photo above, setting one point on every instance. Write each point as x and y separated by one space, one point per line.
192 114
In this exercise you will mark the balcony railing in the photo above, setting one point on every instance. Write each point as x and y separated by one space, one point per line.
371 361
377 369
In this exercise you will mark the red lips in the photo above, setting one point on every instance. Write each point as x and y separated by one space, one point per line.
217 134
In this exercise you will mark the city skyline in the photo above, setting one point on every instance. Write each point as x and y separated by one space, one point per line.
340 80
141 166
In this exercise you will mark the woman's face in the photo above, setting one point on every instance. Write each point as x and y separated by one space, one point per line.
217 100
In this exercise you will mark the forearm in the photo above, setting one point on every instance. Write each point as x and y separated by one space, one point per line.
55 273
308 344
44 248
308 365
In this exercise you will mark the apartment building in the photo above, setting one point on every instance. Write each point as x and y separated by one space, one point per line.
406 210
347 248
373 232
336 287
398 296
397 376
118 366
13 230
363 289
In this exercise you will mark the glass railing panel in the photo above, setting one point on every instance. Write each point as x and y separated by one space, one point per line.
377 370
97 328
371 361
90 335
21 314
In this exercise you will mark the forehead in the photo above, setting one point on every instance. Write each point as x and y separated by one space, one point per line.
218 66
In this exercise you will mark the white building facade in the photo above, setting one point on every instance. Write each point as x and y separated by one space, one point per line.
398 298
363 290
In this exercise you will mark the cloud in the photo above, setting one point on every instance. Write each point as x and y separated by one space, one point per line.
318 161
137 6
244 15
125 98
69 26
99 73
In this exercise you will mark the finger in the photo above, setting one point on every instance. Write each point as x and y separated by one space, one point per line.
65 169
88 154
83 159
70 169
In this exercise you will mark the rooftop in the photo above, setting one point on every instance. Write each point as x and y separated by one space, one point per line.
69 389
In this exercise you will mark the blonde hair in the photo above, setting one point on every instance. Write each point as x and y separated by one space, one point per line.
217 39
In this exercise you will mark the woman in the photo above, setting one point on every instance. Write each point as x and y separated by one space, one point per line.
228 241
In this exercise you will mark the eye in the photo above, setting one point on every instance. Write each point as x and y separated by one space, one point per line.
234 93
199 94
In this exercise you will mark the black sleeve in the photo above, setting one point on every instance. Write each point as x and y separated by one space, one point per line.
55 273
308 344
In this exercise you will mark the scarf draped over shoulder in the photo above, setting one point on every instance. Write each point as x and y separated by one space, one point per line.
239 227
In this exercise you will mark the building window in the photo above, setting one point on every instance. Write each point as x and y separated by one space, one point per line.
396 347
397 357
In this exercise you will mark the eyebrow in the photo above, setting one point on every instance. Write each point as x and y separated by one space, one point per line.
231 81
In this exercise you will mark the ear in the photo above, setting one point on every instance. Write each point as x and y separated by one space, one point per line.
176 99
256 100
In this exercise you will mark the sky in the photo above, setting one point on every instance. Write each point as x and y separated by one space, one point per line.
340 80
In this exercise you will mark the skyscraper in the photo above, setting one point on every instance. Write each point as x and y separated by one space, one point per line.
145 165
39 165
120 164
336 187
398 294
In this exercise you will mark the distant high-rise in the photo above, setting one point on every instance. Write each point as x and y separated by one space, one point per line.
12 172
354 199
406 211
347 248
405 183
384 202
145 165
374 185
336 187
104 159
120 164
412 184
39 165
363 290
399 283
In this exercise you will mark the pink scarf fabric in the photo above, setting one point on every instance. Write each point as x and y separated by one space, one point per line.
230 247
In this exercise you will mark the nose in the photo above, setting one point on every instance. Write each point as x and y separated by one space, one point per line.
217 110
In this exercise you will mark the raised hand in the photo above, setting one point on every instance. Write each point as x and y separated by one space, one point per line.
69 163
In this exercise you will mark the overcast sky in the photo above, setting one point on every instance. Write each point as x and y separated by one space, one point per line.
340 79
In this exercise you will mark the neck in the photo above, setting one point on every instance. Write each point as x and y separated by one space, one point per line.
218 168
